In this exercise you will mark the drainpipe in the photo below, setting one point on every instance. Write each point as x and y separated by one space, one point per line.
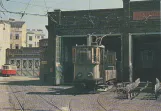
89 40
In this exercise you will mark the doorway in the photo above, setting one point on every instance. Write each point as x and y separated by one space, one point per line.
146 57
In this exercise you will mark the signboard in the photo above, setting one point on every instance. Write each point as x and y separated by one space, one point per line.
143 15
43 62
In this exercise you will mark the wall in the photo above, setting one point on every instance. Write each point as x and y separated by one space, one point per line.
37 35
29 41
23 40
22 36
4 42
13 41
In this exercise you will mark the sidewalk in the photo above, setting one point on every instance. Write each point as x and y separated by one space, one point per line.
4 97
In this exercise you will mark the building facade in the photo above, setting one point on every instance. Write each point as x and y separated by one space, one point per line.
4 41
26 59
18 34
133 32
33 36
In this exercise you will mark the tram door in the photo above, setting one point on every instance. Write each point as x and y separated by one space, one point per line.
147 58
148 64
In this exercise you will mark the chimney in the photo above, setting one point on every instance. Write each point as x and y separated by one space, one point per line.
11 19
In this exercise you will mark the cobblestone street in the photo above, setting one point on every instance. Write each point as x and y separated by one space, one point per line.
26 94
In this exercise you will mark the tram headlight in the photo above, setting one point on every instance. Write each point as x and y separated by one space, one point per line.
79 75
90 74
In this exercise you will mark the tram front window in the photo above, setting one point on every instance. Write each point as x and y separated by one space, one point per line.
5 67
84 56
95 55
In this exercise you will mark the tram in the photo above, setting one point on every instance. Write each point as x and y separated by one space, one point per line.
8 70
91 65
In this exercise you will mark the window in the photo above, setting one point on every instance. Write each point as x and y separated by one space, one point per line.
12 62
10 46
24 63
42 37
38 44
37 64
18 63
30 45
30 38
10 36
30 64
5 67
17 36
16 46
38 37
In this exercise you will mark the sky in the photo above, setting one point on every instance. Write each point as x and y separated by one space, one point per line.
42 6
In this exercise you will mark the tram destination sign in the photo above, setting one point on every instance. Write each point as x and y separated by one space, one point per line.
143 15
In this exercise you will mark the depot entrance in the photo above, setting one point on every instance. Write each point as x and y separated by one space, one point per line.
66 59
146 57
112 43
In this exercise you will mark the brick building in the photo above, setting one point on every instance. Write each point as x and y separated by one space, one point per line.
27 60
130 31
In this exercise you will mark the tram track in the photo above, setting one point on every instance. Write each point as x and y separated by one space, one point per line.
21 108
26 97
31 89
100 101
20 100
83 103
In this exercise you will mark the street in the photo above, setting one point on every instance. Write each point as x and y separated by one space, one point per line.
27 94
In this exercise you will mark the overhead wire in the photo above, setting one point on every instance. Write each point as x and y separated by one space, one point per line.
42 6
29 4
1 4
49 14
19 13
25 9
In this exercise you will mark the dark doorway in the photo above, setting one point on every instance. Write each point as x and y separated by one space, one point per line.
113 43
68 67
146 57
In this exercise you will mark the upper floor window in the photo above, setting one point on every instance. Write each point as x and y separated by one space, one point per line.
38 37
17 36
10 36
30 38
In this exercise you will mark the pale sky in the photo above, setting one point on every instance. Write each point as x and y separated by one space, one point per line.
39 7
